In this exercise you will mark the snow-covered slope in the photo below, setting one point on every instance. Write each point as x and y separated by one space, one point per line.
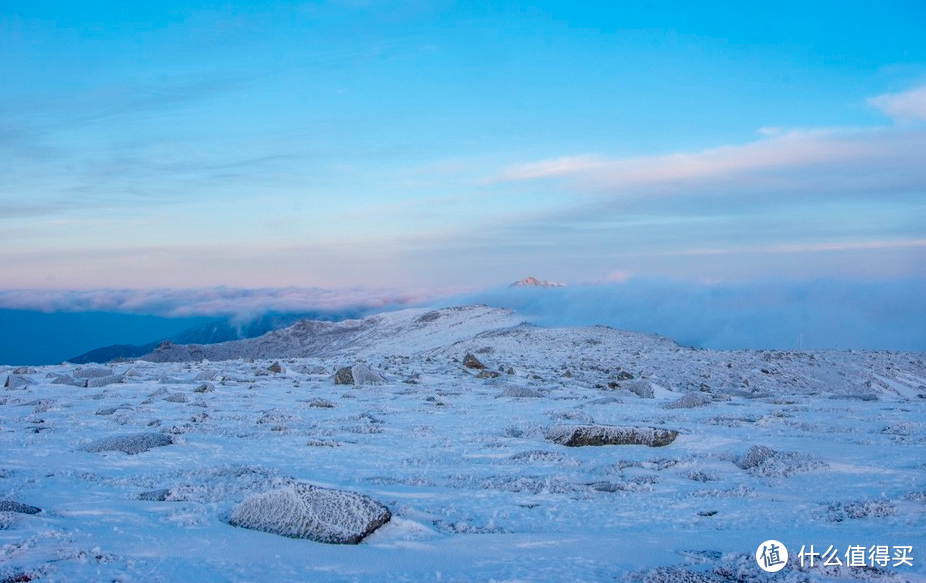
534 282
138 468
402 332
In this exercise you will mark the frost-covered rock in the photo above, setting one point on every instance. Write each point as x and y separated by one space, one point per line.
93 382
276 368
358 374
690 401
130 444
93 372
319 514
755 456
13 506
840 511
68 380
159 495
765 461
521 393
639 387
16 382
582 435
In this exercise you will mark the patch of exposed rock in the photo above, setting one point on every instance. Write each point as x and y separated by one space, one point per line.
470 361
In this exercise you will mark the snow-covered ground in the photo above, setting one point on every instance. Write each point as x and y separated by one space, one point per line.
465 460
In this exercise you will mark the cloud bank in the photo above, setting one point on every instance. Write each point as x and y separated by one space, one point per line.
236 303
824 314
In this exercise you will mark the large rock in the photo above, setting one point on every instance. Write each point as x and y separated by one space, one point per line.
581 435
131 444
92 372
16 382
320 514
358 374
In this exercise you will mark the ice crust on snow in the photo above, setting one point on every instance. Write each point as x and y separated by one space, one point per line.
319 514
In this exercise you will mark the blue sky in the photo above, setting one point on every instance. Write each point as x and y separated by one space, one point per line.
439 145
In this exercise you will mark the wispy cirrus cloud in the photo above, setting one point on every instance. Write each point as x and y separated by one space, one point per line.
819 153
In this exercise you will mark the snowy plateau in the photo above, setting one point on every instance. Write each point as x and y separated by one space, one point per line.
461 445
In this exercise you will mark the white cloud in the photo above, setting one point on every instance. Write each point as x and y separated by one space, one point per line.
906 105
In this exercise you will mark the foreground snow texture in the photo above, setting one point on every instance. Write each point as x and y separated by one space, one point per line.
142 474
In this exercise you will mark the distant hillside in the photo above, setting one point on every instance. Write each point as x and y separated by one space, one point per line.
213 332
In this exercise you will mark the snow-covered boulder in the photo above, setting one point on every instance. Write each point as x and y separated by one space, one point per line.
68 380
690 401
582 435
16 382
93 382
639 387
132 443
320 514
92 372
358 374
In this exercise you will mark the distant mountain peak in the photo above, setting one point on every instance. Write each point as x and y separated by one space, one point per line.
534 282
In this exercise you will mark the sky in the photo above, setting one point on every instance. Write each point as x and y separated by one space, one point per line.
444 145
